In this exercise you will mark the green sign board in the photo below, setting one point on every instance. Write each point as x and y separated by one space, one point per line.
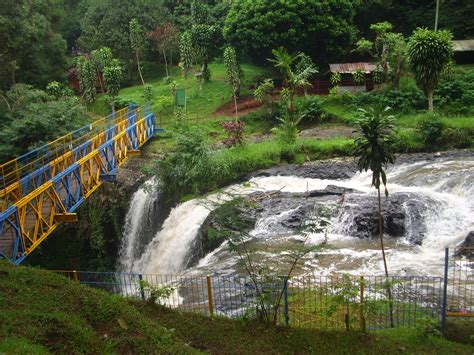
180 97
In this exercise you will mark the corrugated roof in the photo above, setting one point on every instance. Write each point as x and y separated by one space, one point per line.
464 45
352 67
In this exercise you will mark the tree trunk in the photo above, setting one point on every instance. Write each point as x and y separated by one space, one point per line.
205 70
139 70
235 103
430 100
166 64
112 105
129 71
436 16
101 82
389 287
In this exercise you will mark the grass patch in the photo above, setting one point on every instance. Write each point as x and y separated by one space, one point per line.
44 312
201 102
223 336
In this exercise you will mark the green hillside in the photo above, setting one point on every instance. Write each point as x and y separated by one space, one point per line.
43 312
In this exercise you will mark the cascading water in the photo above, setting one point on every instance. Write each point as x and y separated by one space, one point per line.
139 216
434 198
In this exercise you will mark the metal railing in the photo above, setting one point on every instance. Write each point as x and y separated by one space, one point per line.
319 302
325 302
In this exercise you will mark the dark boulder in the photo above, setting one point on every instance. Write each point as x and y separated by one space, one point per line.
466 248
402 216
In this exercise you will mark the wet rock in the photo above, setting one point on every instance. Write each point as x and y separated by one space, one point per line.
401 214
466 248
335 169
330 190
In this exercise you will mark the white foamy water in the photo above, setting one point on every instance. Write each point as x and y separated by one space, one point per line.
448 221
135 220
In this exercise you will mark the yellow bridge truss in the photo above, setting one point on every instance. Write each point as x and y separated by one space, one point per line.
43 188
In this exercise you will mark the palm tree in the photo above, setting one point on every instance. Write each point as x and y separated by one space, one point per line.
296 70
373 147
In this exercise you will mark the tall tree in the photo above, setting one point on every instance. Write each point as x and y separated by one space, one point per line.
87 76
113 75
389 49
323 29
32 50
296 72
429 52
137 42
166 41
233 74
186 52
101 58
106 23
206 37
374 148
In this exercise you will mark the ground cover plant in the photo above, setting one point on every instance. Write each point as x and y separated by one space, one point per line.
43 313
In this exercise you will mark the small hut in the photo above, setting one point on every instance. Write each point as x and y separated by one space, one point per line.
464 51
347 71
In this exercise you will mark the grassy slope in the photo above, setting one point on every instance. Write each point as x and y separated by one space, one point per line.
43 312
201 103
223 336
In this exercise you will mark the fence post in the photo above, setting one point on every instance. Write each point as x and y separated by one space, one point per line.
74 276
209 295
362 302
445 290
285 297
142 291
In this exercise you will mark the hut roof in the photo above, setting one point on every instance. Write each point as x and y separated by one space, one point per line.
350 68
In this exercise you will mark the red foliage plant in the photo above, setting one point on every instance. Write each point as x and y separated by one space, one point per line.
235 132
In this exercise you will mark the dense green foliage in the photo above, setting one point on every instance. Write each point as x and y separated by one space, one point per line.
322 29
429 52
32 117
31 51
106 24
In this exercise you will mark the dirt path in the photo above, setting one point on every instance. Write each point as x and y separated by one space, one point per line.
245 104
328 132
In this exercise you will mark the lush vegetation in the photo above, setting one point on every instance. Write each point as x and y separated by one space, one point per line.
43 312
109 44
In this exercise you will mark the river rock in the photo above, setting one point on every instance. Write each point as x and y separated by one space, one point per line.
399 211
336 169
330 190
466 248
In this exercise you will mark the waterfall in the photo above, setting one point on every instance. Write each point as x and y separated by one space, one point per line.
447 183
137 220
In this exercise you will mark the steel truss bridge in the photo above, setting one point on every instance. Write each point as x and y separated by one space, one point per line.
43 188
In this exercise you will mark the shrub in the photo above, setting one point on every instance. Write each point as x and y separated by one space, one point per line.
260 115
310 108
456 95
120 103
263 94
405 101
163 103
431 129
456 138
235 133
408 140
